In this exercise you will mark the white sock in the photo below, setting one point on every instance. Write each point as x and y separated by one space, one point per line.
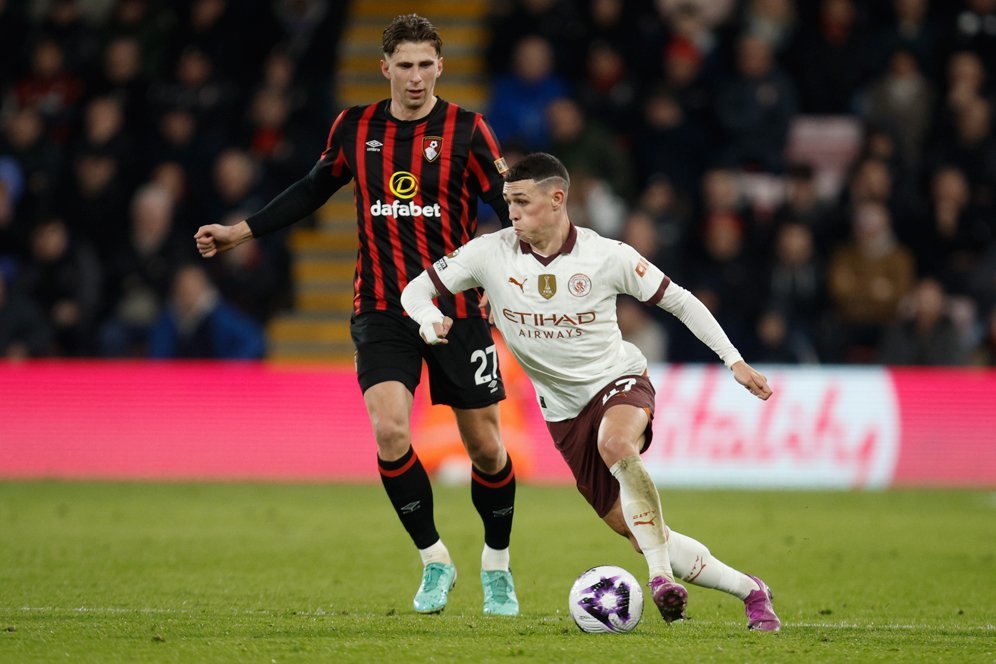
641 507
693 562
435 553
492 559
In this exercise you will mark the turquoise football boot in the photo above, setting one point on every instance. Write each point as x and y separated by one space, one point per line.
499 593
437 581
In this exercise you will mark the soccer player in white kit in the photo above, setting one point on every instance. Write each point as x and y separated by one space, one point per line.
552 288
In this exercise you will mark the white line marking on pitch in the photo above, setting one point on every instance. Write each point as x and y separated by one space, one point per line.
320 612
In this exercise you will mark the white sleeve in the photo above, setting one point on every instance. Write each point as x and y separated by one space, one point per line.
689 310
417 298
458 271
417 301
637 276
450 274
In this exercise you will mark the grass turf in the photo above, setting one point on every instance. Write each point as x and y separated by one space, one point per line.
258 572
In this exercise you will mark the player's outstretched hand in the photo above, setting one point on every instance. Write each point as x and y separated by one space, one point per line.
752 379
215 238
435 333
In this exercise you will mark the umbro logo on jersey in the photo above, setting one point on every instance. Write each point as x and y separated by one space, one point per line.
520 284
374 145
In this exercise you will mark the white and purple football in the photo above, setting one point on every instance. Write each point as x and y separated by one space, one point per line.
606 600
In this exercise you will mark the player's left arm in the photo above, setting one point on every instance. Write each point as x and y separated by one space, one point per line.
488 169
648 283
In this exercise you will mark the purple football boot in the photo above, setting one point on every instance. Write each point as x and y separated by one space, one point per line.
760 614
670 598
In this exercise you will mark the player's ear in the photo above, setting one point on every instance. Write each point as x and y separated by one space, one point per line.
439 67
557 200
385 69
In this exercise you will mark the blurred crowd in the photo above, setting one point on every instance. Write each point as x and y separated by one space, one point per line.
699 131
125 125
707 134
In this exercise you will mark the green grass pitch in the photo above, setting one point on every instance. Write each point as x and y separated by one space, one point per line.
289 573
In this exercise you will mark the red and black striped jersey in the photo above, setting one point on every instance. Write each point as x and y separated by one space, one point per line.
416 185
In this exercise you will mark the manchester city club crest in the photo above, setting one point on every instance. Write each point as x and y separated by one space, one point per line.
547 285
579 285
431 147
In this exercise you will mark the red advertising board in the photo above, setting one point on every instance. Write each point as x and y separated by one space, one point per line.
823 428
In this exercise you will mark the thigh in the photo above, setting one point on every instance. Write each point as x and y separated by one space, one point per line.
577 439
387 349
621 432
464 373
637 392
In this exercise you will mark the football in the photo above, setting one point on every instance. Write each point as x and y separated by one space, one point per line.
606 599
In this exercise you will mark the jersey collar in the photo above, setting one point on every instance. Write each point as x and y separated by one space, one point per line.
385 107
568 247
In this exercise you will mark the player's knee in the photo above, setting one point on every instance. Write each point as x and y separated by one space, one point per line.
393 438
614 447
487 454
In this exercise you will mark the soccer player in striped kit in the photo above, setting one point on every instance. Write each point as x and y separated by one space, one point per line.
419 164
553 289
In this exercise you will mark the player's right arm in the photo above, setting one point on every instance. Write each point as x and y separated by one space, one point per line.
448 275
293 204
433 325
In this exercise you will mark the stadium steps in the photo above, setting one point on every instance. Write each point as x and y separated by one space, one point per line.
324 259
325 256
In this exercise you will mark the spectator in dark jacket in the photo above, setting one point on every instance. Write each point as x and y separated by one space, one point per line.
199 324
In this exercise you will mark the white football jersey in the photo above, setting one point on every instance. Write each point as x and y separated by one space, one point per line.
558 314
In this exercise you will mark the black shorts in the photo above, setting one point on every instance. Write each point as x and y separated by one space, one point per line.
577 439
462 374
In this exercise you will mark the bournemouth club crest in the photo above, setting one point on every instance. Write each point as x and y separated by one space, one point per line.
431 147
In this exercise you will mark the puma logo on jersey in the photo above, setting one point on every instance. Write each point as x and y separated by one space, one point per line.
520 284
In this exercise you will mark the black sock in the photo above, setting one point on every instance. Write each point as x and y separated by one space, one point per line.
494 497
407 485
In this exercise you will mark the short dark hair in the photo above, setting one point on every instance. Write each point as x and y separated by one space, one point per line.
410 28
538 166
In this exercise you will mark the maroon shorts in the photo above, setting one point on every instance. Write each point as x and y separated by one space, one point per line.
577 438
